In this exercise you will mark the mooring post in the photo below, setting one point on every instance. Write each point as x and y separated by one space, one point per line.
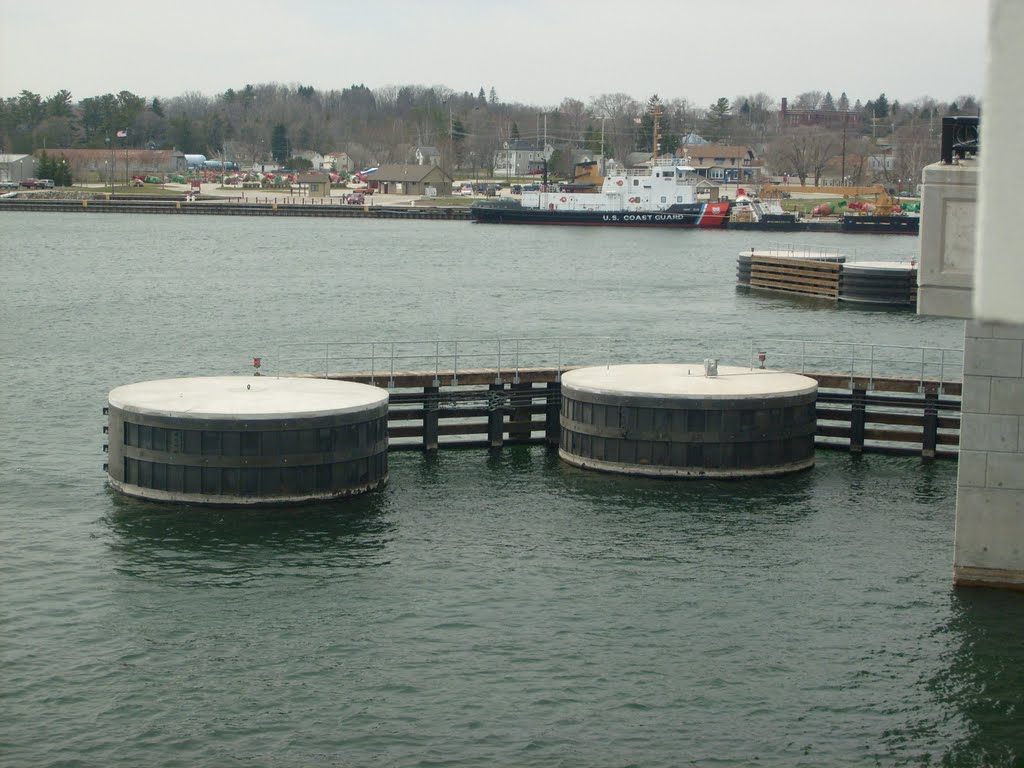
552 425
930 436
496 416
430 420
857 413
521 401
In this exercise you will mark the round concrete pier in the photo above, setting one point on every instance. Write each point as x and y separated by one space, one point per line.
671 420
235 440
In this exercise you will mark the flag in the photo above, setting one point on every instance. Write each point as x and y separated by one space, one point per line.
122 134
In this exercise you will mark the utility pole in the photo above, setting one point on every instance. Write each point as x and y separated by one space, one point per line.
603 118
842 173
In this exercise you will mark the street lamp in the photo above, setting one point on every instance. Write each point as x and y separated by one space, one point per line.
508 163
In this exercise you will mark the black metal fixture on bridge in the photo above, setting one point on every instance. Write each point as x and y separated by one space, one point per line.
959 137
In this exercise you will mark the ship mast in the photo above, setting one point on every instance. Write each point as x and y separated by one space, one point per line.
656 136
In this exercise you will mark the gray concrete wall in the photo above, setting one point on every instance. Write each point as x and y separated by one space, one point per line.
945 276
989 539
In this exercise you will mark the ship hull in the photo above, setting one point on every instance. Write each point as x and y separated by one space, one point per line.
685 216
882 225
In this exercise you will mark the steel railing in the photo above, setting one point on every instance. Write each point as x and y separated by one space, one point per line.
382 360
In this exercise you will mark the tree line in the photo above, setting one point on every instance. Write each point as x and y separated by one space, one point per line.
384 125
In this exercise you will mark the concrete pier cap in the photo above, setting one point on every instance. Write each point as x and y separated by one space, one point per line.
687 420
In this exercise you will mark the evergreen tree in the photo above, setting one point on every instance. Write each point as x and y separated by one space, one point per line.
881 106
44 168
280 148
493 96
62 172
482 97
645 136
156 107
827 104
718 117
514 133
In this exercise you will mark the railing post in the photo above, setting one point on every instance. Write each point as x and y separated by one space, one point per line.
430 417
858 409
552 425
518 428
391 381
497 379
495 416
455 366
930 433
515 379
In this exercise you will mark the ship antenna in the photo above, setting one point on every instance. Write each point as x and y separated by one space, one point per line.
656 136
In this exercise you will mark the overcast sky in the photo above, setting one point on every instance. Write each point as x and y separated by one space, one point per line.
530 51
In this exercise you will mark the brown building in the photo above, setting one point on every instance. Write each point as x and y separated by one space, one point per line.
314 184
830 118
411 180
721 162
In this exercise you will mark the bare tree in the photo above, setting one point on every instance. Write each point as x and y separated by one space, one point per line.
803 152
619 111
755 116
576 118
914 149
809 100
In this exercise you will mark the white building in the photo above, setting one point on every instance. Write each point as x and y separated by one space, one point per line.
17 167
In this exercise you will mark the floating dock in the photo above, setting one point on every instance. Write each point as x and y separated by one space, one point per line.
828 275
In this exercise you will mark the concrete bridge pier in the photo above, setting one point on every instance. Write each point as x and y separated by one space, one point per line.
988 545
971 268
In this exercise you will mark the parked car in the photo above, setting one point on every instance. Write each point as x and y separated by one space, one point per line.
517 189
355 198
46 183
31 183
465 191
531 188
8 185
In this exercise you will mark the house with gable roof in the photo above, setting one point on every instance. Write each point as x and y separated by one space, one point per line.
411 179
722 162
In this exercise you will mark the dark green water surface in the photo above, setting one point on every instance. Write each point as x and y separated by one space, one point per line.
484 608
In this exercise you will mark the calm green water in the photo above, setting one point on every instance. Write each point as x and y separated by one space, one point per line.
484 609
